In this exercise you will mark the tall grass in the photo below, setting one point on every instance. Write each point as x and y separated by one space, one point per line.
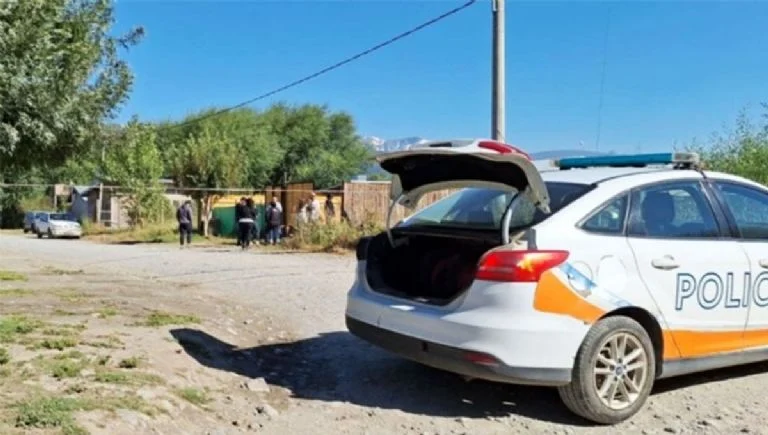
330 237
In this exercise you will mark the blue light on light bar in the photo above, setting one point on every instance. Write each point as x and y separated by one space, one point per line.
628 160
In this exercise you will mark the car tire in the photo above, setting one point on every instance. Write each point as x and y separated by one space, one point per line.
50 233
26 231
39 235
601 358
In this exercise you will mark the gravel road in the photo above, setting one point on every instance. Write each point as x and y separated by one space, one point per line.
340 384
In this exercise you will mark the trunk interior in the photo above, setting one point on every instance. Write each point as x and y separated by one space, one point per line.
429 268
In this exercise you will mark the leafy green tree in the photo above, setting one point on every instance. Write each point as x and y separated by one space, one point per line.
135 164
207 161
742 150
318 146
61 76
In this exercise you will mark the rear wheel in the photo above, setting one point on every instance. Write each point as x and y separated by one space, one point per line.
39 235
614 372
50 233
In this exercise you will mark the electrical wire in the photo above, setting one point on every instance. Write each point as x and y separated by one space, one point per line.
330 68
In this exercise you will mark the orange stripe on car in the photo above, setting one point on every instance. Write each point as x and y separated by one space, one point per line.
553 296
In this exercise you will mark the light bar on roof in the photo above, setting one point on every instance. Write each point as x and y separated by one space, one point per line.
629 160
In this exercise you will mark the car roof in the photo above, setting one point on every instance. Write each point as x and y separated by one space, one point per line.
596 175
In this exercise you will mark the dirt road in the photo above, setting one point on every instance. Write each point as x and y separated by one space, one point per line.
249 342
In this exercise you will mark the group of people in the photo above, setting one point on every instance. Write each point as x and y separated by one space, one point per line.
247 220
246 217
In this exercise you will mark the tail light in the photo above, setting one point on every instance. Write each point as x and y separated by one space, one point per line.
502 148
481 359
518 266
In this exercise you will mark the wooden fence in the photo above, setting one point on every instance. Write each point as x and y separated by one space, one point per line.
368 202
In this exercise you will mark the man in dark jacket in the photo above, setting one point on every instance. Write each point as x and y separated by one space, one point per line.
184 217
274 222
239 209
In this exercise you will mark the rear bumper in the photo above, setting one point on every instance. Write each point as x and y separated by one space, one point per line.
454 359
69 232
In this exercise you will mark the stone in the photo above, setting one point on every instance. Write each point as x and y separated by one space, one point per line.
258 385
267 410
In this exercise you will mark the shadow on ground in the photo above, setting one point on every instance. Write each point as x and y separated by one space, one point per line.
338 367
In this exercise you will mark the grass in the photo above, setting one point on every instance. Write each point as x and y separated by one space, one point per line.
47 412
192 395
9 275
61 369
50 270
330 237
5 357
11 327
106 312
51 412
71 295
121 377
57 343
129 363
105 342
152 233
160 318
15 292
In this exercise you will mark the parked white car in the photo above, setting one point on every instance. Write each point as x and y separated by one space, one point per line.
57 225
598 275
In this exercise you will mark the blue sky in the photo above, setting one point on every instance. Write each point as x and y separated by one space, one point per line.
674 70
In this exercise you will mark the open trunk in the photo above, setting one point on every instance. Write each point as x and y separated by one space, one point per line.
432 269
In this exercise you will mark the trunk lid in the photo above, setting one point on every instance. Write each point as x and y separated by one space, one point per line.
459 164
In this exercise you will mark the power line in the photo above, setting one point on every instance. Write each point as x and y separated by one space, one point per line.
332 67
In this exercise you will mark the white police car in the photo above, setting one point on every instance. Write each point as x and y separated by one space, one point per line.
596 276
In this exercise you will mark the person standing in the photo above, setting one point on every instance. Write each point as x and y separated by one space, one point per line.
330 209
274 222
313 208
245 225
238 214
184 218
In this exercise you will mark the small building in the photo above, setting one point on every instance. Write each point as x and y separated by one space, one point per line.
84 204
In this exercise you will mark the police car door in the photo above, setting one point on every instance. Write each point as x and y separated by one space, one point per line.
690 270
747 208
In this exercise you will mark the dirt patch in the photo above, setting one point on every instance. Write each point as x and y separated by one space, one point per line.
80 356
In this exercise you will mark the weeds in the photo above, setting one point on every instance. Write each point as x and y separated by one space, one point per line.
330 237
106 312
50 270
159 318
195 396
129 363
9 275
15 292
5 357
126 378
13 326
57 343
50 412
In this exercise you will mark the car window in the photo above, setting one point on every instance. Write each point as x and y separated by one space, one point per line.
749 208
609 219
674 210
477 208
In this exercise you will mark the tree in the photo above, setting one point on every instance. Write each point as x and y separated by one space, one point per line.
742 151
134 163
60 78
318 146
207 161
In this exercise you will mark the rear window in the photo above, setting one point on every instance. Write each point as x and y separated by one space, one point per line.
483 209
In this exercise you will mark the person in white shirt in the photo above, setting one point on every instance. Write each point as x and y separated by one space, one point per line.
313 208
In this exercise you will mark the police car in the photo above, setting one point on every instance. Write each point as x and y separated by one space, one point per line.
595 275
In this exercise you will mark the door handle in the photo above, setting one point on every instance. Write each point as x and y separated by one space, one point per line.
666 262
763 263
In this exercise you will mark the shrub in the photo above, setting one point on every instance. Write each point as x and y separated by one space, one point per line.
331 236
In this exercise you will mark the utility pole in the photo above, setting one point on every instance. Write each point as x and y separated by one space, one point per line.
498 122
